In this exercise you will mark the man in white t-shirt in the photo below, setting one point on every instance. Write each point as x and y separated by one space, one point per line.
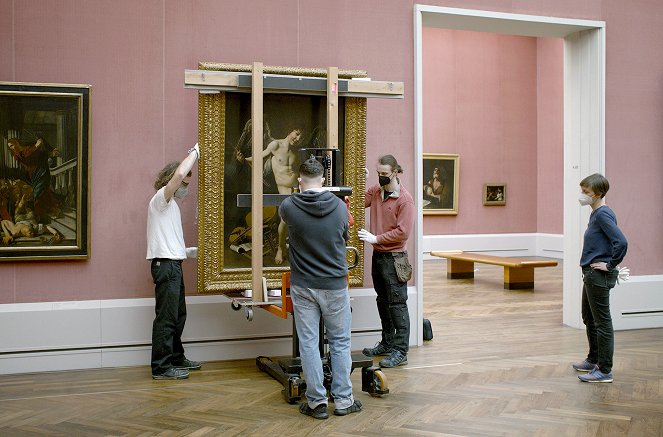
166 251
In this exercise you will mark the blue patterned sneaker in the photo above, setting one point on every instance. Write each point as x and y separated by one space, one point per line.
596 376
585 366
397 358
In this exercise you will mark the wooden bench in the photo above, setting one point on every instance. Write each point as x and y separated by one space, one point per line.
518 272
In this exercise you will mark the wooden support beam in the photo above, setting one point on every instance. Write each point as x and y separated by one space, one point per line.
242 82
256 182
203 77
332 109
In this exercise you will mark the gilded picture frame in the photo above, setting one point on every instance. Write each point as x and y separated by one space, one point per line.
441 183
44 171
224 229
494 194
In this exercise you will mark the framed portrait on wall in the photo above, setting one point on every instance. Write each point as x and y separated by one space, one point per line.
441 176
494 194
44 197
291 122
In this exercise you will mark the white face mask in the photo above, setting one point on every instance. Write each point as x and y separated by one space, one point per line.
585 199
181 192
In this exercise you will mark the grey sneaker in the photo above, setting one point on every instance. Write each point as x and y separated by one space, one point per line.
379 349
596 376
172 373
585 366
188 364
355 407
397 358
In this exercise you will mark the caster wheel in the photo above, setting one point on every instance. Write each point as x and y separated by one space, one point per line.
235 306
380 381
249 314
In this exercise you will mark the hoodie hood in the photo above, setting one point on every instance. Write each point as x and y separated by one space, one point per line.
315 203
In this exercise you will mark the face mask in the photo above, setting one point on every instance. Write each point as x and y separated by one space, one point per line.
181 192
585 199
384 180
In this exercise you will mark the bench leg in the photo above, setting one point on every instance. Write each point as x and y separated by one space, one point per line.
518 278
460 269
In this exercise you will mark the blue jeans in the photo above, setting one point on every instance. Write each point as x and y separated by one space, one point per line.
309 304
596 315
391 301
170 315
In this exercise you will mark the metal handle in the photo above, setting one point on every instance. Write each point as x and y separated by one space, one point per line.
356 258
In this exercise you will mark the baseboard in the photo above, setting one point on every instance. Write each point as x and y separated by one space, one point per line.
637 303
520 244
50 336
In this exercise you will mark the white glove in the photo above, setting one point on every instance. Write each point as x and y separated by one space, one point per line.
196 149
366 236
192 252
624 274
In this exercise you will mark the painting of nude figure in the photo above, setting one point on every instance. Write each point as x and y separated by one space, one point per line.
290 123
44 205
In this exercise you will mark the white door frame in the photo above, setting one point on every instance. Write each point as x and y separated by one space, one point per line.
584 120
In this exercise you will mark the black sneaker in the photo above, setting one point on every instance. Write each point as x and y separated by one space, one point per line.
397 358
172 373
379 349
188 365
355 407
319 412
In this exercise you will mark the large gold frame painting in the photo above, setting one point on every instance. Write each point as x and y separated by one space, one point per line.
224 132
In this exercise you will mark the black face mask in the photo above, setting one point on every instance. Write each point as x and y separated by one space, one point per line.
384 180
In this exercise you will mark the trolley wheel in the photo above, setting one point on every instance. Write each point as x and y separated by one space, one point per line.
380 381
235 306
249 314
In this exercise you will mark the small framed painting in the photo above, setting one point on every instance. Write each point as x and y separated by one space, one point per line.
494 194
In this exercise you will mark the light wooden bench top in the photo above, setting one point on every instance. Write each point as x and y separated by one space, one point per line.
495 260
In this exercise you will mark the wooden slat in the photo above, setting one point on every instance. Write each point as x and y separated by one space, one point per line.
332 109
376 87
256 182
207 79
211 78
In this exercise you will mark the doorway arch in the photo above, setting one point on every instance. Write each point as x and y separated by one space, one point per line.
584 120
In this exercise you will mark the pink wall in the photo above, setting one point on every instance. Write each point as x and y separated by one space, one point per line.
480 102
550 135
134 54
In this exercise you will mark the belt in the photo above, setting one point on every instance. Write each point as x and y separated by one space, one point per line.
179 261
390 254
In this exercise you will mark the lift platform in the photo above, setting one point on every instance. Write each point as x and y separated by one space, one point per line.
288 371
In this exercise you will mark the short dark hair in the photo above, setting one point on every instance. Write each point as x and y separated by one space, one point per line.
597 183
311 168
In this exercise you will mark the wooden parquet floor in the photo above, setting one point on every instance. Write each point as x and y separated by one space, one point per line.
497 366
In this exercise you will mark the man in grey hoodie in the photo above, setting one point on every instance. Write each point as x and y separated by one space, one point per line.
318 229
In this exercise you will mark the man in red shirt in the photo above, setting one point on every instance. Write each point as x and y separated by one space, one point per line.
392 216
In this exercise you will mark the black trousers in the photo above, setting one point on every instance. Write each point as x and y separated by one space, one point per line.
391 301
596 315
170 314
